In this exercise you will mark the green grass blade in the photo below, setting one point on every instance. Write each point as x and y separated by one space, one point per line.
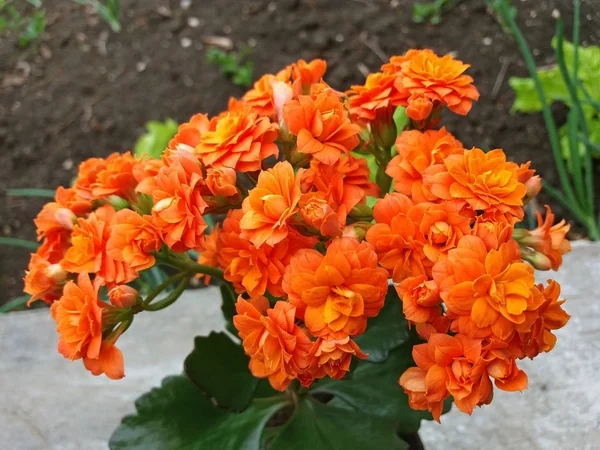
27 192
13 242
574 153
15 303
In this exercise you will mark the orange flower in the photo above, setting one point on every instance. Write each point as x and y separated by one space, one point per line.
261 98
332 358
484 180
270 205
188 134
492 232
210 255
343 185
43 280
78 315
88 250
178 202
238 139
53 218
68 198
318 213
277 347
336 293
442 226
420 299
221 181
322 125
447 365
132 240
416 152
378 93
492 292
309 73
251 269
548 238
503 367
423 75
396 237
551 317
87 176
117 178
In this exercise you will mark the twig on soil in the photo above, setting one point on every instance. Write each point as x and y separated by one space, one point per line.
372 45
500 77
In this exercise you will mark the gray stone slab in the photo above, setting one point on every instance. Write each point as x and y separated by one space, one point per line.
49 403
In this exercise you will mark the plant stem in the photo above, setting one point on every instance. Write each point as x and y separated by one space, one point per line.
152 295
502 7
171 298
183 262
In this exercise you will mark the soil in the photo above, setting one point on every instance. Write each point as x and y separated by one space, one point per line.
86 91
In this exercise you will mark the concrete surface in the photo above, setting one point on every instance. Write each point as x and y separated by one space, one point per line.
47 402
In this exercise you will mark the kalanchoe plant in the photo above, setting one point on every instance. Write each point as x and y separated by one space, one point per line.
349 323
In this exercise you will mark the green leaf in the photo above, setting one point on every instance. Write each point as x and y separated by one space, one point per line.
401 120
228 297
220 368
26 192
177 416
317 426
157 138
16 303
19 243
386 331
374 389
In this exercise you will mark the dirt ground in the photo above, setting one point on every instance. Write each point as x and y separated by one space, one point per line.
86 91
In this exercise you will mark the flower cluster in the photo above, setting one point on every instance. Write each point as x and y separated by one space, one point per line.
318 214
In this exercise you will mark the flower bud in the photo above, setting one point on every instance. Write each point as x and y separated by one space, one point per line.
419 108
57 273
537 259
66 218
222 181
534 186
123 296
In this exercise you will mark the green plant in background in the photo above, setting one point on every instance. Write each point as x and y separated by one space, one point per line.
156 139
234 65
556 90
28 29
574 81
432 11
108 10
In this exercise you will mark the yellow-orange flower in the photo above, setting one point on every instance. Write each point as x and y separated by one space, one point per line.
78 315
117 178
376 94
43 280
261 97
396 237
420 299
548 238
251 269
188 134
551 317
270 205
492 292
416 152
277 347
238 139
332 358
321 124
422 74
88 249
133 239
447 365
484 180
178 203
308 73
335 293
